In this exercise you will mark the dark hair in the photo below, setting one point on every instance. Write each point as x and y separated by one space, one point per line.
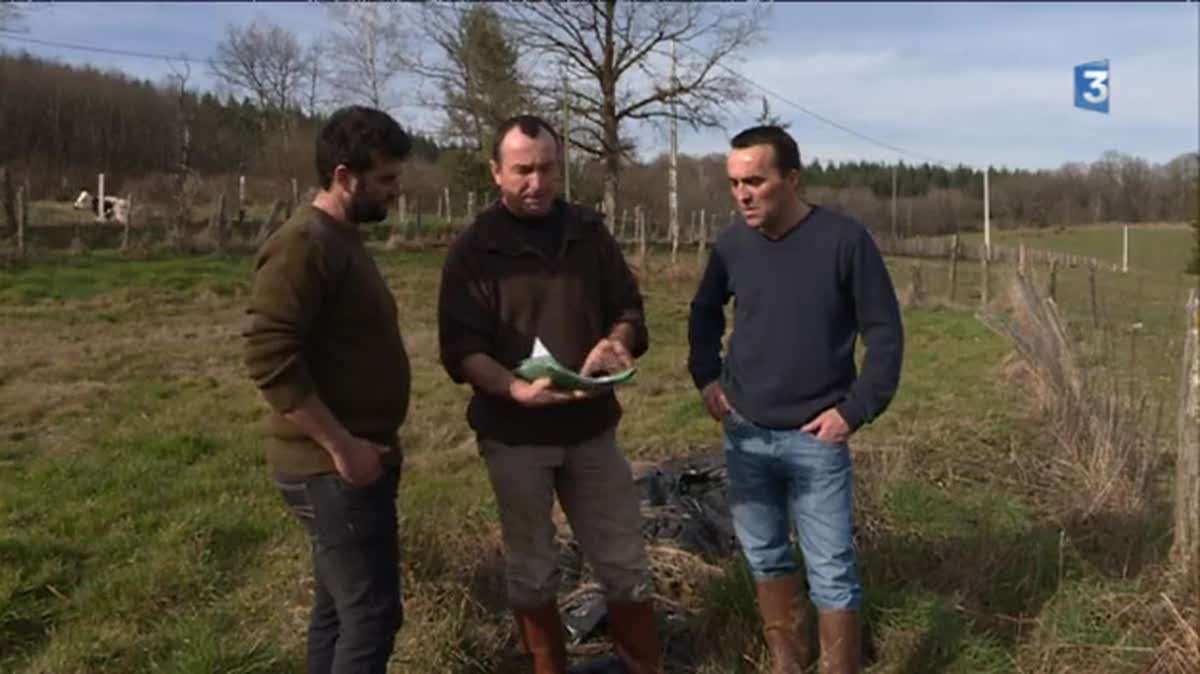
787 155
530 125
353 135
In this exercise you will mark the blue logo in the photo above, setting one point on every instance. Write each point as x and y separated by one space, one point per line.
1092 86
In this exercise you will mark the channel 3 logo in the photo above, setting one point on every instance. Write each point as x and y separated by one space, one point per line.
1091 86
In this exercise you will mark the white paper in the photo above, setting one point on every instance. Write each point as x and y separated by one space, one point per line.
539 349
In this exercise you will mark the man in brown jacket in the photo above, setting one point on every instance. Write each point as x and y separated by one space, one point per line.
323 344
532 267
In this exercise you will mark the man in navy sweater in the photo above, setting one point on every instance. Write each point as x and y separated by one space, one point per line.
807 283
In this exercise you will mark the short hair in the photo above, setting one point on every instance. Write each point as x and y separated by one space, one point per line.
530 125
353 135
787 155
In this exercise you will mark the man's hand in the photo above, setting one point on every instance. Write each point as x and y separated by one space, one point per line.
714 401
609 356
829 426
539 393
357 460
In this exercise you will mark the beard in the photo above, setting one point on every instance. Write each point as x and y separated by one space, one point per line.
365 209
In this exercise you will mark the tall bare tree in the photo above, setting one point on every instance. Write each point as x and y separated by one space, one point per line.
617 57
10 17
263 61
314 76
367 52
474 66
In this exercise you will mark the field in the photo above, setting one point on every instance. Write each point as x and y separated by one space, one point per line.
139 531
1158 248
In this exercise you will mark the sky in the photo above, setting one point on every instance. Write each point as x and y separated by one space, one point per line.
976 84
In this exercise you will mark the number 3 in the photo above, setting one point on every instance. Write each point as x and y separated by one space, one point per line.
1097 80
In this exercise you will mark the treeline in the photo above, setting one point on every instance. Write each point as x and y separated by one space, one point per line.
63 124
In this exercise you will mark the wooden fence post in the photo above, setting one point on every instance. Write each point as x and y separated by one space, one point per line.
216 223
1052 290
8 199
915 291
100 198
22 217
953 267
701 239
418 222
1185 549
128 220
639 220
985 284
1092 293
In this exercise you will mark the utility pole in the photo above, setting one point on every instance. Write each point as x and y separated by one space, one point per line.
987 215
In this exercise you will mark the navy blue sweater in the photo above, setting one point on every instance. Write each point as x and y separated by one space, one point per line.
801 301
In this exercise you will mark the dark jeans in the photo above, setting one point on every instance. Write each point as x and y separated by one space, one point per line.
357 608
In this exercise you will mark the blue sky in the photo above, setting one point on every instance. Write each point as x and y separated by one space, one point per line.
971 83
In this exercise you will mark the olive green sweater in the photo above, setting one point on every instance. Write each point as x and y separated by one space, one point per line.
322 321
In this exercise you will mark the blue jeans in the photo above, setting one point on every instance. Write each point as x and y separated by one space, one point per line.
778 478
357 608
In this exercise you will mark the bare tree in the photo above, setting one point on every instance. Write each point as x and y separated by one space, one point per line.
474 67
183 181
367 52
10 17
616 56
264 61
315 74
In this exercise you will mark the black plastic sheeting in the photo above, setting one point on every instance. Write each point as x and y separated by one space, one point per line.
684 506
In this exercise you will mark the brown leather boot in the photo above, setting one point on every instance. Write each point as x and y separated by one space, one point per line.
841 643
782 610
541 631
634 633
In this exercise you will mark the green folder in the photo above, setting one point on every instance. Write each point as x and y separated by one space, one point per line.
542 364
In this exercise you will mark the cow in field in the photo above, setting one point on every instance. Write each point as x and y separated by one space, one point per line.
115 209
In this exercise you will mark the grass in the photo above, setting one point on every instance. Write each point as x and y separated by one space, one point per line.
1157 248
139 531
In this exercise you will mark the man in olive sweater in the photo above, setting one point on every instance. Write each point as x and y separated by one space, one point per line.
323 345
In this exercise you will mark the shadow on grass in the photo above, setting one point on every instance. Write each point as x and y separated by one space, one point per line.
973 598
45 573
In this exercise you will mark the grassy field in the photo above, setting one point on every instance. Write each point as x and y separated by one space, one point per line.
1156 248
139 531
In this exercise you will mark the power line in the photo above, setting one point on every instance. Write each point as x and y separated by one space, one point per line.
820 117
9 35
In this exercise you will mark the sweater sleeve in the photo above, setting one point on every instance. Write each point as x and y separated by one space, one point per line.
624 301
706 322
877 313
289 277
466 320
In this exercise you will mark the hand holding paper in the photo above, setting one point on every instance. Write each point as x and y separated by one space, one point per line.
607 356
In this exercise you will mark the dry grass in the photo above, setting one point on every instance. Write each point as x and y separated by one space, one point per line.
1108 432
138 529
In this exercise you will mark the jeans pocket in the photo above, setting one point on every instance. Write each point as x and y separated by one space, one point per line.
345 514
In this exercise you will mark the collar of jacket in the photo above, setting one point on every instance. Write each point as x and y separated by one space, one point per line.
498 231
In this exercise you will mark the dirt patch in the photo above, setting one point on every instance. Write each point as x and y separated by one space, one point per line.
25 403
